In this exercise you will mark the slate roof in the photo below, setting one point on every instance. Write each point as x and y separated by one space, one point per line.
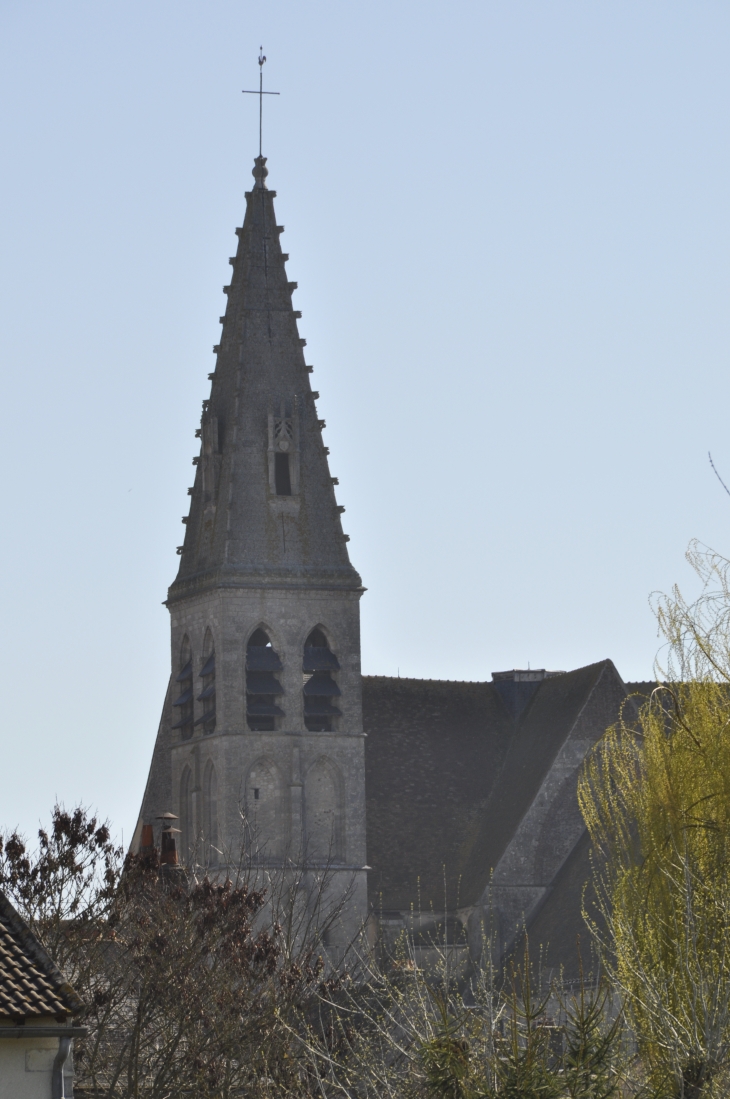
449 776
31 985
643 689
558 927
432 752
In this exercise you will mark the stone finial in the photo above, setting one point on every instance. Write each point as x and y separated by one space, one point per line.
260 172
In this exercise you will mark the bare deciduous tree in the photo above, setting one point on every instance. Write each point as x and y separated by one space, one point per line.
188 981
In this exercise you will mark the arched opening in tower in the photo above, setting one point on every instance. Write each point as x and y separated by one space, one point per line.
319 686
183 704
262 686
207 695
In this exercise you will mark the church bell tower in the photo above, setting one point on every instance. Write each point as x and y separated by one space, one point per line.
261 740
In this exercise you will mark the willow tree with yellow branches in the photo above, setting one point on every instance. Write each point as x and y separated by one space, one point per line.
655 795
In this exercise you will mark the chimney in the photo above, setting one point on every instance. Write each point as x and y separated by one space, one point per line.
517 688
168 844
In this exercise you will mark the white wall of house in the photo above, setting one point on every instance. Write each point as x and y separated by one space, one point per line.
26 1068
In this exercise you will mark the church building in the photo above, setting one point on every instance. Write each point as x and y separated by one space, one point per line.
456 801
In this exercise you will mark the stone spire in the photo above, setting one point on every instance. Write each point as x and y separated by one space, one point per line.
263 510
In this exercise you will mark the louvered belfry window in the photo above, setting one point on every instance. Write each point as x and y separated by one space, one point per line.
320 688
262 686
183 704
207 695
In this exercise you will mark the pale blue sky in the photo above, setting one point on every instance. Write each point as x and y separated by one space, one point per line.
509 224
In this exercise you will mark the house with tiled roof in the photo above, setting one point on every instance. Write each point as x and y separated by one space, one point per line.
38 1009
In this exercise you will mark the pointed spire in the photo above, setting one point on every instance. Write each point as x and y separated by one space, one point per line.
263 508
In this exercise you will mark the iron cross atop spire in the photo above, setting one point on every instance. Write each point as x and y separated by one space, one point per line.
260 93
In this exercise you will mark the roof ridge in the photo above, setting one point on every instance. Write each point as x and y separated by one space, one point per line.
420 679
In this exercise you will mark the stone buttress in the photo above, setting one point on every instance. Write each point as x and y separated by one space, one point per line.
260 745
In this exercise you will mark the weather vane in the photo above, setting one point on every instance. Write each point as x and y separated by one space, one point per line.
260 93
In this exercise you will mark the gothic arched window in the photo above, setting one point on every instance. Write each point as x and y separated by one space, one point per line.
207 695
322 812
264 811
187 824
210 814
319 686
183 704
262 686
